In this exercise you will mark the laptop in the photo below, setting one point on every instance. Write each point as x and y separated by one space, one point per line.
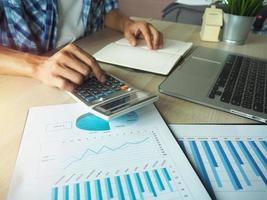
226 81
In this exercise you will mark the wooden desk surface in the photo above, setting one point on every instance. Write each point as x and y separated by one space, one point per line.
18 94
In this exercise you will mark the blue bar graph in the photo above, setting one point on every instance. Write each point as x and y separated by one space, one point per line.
166 174
119 188
158 180
98 190
167 177
87 190
234 152
139 185
212 162
252 162
150 184
264 144
223 163
231 173
131 186
55 193
66 189
76 193
237 160
200 165
258 153
181 143
108 188
206 147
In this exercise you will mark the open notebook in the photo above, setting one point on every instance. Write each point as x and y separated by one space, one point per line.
140 57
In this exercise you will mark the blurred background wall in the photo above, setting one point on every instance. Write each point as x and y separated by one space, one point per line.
144 8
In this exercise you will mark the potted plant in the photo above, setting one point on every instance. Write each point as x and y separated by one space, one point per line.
239 16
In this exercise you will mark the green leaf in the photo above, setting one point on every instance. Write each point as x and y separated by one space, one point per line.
242 7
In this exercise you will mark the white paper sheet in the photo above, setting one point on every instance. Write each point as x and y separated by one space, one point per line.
140 57
68 154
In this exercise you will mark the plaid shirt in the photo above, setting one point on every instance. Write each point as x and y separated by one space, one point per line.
31 25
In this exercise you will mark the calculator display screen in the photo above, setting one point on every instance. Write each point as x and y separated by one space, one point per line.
115 105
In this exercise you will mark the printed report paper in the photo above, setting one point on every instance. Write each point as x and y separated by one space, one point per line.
67 153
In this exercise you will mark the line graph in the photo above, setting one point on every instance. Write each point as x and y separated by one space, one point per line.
104 149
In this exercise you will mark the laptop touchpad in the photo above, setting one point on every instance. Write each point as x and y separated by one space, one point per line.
200 67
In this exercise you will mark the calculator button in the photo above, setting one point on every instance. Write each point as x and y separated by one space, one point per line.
89 99
107 83
117 89
108 92
98 96
86 95
93 91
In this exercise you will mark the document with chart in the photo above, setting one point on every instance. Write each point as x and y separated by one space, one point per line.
69 154
230 159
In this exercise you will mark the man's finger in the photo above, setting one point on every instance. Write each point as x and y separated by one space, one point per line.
63 83
155 37
90 61
69 74
161 40
72 62
131 38
147 35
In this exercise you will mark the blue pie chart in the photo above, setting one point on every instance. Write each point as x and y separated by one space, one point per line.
90 122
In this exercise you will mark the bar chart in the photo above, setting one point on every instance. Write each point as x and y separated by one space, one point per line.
234 166
138 185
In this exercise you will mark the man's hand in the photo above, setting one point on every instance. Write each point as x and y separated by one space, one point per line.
141 29
68 68
134 30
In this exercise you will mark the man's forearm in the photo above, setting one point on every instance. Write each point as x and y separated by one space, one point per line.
17 63
116 20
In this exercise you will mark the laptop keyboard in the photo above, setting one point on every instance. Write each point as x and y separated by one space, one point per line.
243 82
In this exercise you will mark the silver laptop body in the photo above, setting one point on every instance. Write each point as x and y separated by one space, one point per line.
194 79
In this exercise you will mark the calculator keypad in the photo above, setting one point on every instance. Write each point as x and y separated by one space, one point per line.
93 91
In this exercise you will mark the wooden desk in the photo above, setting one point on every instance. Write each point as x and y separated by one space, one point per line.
18 94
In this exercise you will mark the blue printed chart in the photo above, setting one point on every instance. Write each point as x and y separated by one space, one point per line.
137 185
231 160
90 122
133 157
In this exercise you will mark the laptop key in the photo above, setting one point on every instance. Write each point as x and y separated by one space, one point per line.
236 101
226 97
258 107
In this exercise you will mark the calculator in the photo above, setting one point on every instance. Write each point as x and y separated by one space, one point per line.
112 98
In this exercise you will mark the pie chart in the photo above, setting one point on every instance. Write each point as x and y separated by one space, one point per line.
90 122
